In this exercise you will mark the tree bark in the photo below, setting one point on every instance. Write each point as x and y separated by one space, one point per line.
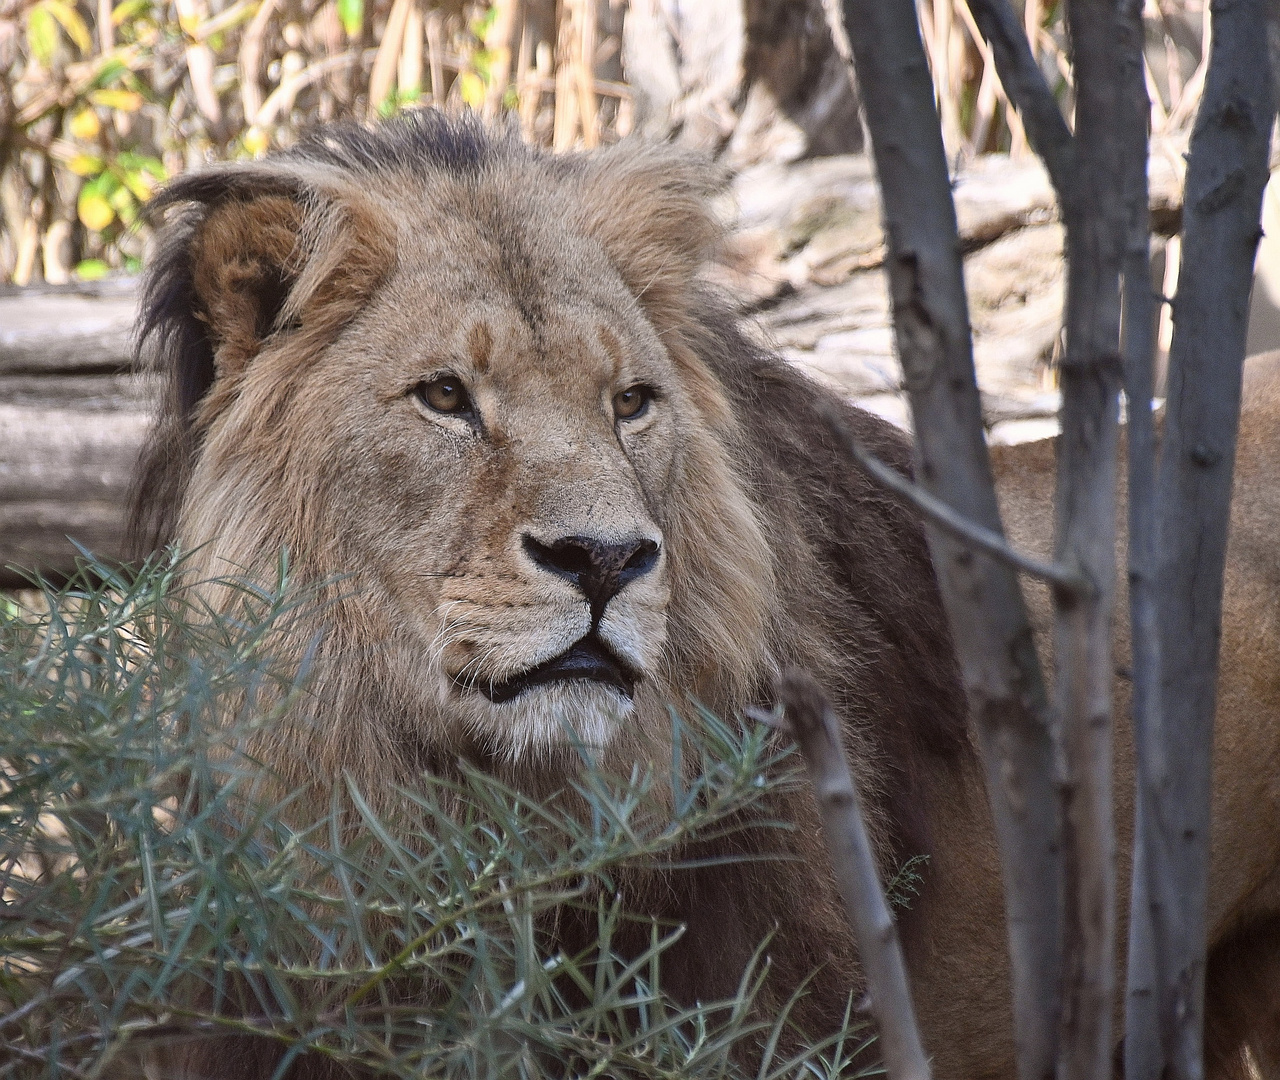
1226 174
1094 214
1141 1041
984 604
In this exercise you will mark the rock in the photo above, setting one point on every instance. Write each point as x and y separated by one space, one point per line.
818 221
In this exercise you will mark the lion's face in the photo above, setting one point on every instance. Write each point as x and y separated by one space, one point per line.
497 440
509 469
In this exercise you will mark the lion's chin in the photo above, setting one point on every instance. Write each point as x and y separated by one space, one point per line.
581 713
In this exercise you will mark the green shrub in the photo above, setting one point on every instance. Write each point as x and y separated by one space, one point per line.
144 876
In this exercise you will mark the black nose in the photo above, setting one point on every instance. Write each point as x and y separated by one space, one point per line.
599 569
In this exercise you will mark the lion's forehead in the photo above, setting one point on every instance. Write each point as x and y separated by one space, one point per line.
575 346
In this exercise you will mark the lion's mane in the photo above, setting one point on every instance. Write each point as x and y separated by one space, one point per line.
778 550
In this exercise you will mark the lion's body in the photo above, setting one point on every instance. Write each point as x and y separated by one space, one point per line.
318 313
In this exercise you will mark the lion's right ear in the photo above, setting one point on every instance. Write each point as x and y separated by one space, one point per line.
250 252
247 255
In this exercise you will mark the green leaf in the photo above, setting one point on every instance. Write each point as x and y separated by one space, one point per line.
110 71
139 183
124 100
127 159
86 164
481 26
126 10
42 34
471 86
124 204
94 210
91 269
84 124
104 185
351 15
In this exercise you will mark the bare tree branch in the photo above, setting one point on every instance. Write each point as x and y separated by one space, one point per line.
1226 173
1142 1032
809 717
1085 538
944 517
1023 81
981 594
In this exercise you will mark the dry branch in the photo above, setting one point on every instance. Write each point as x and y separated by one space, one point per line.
1025 84
944 517
808 716
250 60
386 58
984 604
1141 1040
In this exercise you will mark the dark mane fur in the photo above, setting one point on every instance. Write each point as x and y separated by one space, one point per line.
872 560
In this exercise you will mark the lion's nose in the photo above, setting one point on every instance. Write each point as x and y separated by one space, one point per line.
597 568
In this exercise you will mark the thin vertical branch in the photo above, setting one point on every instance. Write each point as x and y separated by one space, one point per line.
1226 173
584 68
105 28
811 720
948 106
984 604
386 59
250 60
435 55
1085 539
409 68
566 107
498 42
1142 1033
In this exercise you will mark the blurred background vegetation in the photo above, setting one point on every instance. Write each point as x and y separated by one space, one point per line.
101 100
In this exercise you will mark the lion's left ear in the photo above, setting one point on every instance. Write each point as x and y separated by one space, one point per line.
650 208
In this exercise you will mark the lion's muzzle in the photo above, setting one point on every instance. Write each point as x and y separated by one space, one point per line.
588 659
597 568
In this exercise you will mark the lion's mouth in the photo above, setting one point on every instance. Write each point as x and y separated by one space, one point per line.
588 659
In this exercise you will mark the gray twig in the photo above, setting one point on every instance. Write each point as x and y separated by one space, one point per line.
1142 1030
993 543
809 717
1024 82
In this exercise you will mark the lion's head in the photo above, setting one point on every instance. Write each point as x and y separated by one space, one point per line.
458 371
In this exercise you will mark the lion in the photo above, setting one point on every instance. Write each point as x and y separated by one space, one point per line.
567 489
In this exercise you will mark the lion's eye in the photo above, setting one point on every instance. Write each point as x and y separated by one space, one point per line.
632 402
444 394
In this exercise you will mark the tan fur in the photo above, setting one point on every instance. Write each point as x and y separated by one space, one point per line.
548 285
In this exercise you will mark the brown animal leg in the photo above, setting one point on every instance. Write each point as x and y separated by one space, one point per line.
1242 1005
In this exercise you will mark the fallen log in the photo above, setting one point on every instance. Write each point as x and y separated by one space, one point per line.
72 419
